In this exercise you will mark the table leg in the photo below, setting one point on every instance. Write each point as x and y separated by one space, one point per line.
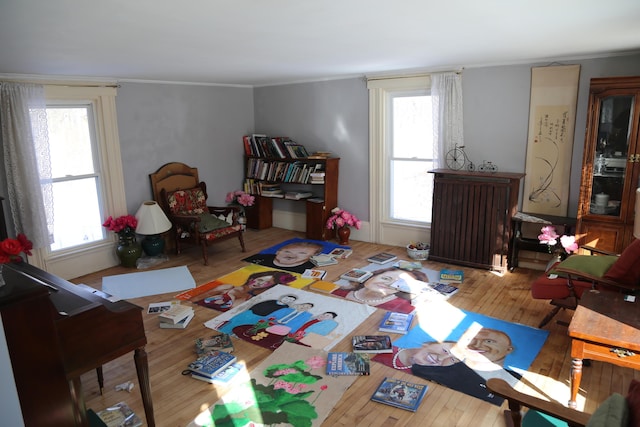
142 368
576 377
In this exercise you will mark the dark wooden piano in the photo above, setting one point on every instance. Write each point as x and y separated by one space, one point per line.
56 331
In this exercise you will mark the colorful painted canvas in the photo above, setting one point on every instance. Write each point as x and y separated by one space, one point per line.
284 314
229 291
289 388
376 291
293 255
461 350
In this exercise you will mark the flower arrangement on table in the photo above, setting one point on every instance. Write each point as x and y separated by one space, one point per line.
10 249
562 245
341 218
124 226
241 198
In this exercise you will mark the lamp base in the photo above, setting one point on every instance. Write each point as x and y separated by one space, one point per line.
153 245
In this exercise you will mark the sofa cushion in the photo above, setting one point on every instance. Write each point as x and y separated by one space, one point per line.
592 265
613 412
623 270
210 222
545 288
187 202
633 401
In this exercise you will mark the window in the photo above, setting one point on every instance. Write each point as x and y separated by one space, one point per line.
401 154
75 174
87 179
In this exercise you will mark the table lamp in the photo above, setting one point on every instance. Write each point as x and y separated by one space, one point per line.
151 223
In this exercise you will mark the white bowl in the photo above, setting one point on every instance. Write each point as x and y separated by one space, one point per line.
418 254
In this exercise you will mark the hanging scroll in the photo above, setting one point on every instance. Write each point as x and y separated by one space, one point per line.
552 117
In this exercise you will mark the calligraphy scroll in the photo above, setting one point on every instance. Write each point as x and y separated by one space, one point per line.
552 116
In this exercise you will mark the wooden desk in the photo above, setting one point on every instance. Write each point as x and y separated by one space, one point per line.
603 322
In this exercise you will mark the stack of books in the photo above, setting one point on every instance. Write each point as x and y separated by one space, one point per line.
297 195
321 260
398 323
271 190
177 317
316 178
382 258
356 275
371 344
207 366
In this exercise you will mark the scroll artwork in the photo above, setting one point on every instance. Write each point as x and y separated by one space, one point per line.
552 116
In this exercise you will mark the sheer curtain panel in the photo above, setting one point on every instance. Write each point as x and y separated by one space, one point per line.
25 144
446 98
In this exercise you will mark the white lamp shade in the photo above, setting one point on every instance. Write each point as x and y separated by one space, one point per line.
151 219
636 218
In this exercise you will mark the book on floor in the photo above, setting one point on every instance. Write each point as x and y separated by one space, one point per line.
175 314
371 344
314 273
225 376
348 363
341 253
451 276
444 288
356 275
399 393
382 258
323 286
119 415
398 323
181 324
219 341
211 363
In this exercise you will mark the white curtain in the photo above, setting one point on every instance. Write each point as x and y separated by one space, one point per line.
25 143
446 96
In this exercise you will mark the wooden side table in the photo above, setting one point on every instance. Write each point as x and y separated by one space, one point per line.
605 327
563 225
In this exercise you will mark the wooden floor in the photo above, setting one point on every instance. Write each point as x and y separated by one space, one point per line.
178 399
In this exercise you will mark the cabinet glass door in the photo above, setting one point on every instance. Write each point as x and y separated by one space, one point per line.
610 162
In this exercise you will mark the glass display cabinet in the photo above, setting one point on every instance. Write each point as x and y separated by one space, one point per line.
610 163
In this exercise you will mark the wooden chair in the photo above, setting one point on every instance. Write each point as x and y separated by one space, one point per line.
183 198
603 270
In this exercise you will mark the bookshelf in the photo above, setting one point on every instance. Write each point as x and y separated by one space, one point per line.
293 175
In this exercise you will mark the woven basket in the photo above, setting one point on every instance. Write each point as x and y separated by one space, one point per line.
418 254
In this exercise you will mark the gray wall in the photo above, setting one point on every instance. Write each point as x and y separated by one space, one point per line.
201 126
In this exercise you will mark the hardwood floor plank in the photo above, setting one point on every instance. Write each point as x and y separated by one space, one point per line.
178 399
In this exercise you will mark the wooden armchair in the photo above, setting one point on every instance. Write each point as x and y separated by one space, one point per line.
183 198
565 282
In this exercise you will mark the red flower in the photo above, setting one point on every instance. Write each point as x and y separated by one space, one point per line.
10 249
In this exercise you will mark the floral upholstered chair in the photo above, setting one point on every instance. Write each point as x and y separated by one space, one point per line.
184 199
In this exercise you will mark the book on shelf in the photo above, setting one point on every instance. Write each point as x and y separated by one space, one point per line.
348 363
444 288
322 260
400 393
322 286
218 341
225 376
119 415
356 275
398 323
382 258
451 276
371 344
181 324
314 273
315 200
341 253
175 314
209 364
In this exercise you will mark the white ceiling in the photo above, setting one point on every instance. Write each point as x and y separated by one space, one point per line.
263 42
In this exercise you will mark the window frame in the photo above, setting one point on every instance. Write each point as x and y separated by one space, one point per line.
88 258
383 228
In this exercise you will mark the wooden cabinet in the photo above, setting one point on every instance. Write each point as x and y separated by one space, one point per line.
610 165
471 221
318 207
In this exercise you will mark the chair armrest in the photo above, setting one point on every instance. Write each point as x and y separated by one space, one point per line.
517 400
595 250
